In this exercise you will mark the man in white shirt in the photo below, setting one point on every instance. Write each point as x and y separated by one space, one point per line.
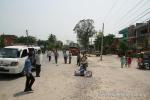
49 55
38 63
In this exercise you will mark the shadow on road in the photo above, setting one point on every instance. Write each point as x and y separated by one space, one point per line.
8 77
143 69
21 93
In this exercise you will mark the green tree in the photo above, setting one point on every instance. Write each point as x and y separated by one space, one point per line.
107 42
59 44
97 42
32 40
122 48
51 42
41 42
84 29
52 38
25 40
108 39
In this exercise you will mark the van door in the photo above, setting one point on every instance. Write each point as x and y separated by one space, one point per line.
23 57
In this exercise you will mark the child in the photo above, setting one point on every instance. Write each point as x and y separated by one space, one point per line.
129 61
84 64
122 60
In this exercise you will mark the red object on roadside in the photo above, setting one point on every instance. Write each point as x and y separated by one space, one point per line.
74 51
129 60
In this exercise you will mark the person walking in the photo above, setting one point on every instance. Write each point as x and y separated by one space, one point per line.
49 55
122 61
70 57
65 57
129 60
38 63
56 56
126 61
29 77
78 59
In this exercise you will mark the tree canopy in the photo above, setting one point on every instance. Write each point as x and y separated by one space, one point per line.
84 29
25 40
107 42
52 42
52 38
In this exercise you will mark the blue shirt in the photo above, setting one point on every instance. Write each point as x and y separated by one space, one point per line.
27 66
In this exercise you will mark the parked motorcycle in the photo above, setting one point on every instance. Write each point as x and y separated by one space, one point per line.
144 60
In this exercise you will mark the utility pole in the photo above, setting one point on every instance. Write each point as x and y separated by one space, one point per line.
27 37
102 42
98 41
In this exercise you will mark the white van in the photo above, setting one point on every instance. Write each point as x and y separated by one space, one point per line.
12 59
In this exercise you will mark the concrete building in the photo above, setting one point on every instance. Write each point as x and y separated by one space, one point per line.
137 36
143 36
131 39
124 33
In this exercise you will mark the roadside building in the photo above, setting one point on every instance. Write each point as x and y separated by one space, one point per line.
131 37
137 36
8 40
124 33
143 36
123 41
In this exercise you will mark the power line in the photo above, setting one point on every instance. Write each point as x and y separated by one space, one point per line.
124 17
131 10
120 7
131 15
110 10
141 17
136 19
138 16
135 6
146 20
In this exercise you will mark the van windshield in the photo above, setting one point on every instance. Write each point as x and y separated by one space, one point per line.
9 53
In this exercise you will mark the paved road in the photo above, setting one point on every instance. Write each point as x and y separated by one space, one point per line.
109 82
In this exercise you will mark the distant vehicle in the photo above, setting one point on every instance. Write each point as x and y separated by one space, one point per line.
144 60
74 50
12 59
83 51
97 53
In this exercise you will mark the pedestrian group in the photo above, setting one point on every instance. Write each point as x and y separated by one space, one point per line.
125 61
34 59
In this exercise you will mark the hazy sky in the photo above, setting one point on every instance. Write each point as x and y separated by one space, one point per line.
43 17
